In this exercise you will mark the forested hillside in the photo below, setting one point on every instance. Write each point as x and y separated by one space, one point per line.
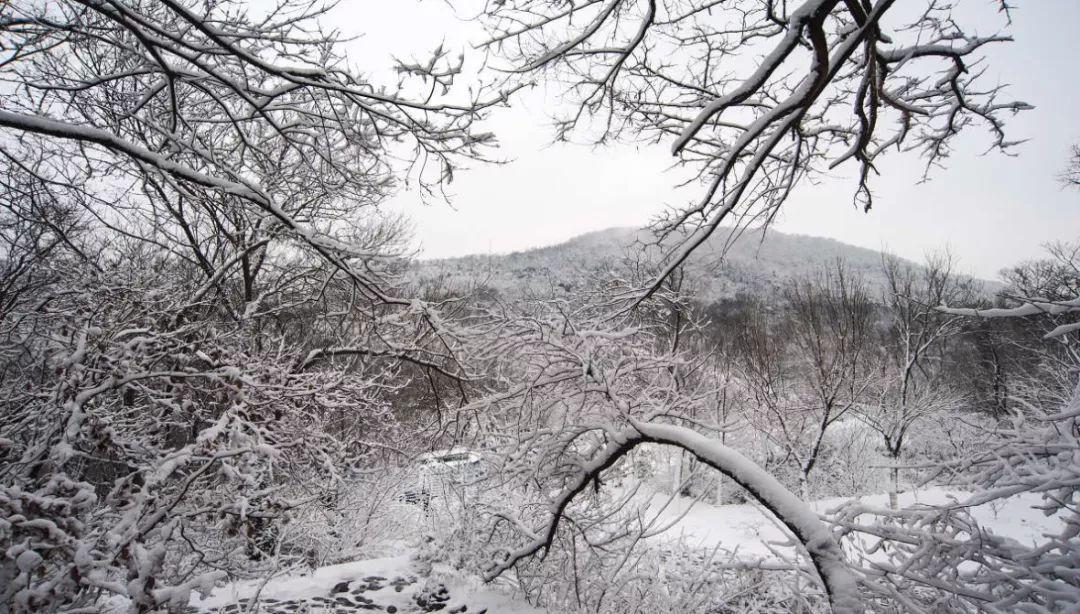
751 263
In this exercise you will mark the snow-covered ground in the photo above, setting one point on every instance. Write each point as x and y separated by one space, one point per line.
745 528
399 584
402 584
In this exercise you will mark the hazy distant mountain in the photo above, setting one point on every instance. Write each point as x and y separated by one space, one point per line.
753 264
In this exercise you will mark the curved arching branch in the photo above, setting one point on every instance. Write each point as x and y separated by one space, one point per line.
824 551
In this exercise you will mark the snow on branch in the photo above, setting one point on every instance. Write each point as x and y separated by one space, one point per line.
811 532
1029 307
215 112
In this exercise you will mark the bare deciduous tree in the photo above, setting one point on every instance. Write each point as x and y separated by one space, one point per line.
1071 175
808 367
912 385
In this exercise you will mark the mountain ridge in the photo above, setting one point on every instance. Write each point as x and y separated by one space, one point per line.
724 267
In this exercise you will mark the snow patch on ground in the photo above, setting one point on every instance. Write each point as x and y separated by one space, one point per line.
396 584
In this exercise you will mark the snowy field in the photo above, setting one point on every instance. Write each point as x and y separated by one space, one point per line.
403 584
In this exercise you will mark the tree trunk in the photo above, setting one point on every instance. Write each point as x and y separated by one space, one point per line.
894 492
676 473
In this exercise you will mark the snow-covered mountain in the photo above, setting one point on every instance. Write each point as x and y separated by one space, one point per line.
752 264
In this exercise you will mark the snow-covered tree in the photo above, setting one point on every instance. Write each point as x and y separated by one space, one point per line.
911 385
580 392
203 326
938 558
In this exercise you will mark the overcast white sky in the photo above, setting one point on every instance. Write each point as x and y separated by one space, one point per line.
991 211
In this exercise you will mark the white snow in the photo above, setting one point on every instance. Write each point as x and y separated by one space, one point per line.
743 529
28 561
746 528
463 590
